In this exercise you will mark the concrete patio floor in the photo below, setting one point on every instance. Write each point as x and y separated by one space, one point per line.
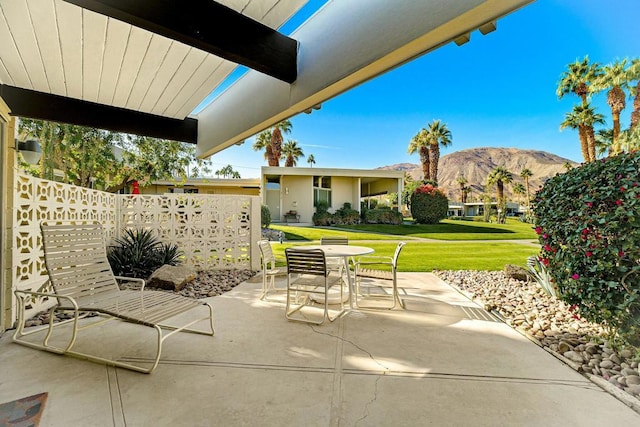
444 361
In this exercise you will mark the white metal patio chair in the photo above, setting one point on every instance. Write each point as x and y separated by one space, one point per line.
309 281
269 270
83 283
371 267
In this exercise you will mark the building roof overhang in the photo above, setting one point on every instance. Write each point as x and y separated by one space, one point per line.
126 64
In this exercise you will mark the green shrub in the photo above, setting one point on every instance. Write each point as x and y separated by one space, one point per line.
139 253
383 216
588 222
429 204
322 215
346 215
265 216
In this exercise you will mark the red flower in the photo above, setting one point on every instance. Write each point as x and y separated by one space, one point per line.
622 189
575 276
621 254
619 202
538 230
545 236
590 204
588 254
547 248
544 261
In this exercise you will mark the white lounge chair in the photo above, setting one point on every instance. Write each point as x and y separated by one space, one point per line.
83 283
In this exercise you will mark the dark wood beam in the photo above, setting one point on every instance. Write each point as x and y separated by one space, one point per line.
44 106
211 27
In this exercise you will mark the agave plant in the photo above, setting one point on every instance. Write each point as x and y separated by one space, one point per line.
138 253
539 272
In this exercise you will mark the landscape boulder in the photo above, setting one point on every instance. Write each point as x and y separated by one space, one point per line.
512 271
171 277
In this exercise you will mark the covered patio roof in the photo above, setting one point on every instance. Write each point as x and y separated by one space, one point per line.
143 67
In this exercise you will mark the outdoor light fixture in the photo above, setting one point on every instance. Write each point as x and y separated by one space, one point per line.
30 150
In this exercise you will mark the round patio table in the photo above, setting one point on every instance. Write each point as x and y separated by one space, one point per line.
345 252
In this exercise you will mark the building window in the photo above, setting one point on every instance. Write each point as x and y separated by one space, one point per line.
183 190
322 190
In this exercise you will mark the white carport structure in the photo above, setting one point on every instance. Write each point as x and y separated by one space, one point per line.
142 66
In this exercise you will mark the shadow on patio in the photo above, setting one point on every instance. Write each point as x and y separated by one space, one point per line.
443 361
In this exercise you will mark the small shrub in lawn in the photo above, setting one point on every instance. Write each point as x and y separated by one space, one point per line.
265 216
429 205
322 215
588 222
383 216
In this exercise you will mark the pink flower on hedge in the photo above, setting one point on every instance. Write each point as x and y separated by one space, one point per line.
545 236
547 248
589 254
575 276
621 254
544 261
619 202
622 189
538 230
590 204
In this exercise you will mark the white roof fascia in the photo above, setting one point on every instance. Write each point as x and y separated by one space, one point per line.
344 44
355 173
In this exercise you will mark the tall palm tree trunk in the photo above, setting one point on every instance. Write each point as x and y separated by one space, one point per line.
615 99
434 158
272 160
584 146
424 159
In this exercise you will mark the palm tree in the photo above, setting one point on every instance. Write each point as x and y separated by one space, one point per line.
604 142
284 127
577 79
462 182
311 160
291 152
498 177
583 117
263 142
519 190
615 79
438 135
526 174
420 143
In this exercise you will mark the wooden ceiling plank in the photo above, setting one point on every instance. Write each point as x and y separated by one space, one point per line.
70 31
94 31
203 24
46 30
174 91
172 61
19 20
257 10
115 47
12 63
158 48
200 85
136 49
281 12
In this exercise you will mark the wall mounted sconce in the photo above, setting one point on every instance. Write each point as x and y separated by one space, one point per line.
30 150
286 190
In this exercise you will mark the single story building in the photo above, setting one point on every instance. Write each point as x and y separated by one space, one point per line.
221 186
293 193
477 208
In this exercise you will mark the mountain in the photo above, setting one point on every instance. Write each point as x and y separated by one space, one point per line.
475 164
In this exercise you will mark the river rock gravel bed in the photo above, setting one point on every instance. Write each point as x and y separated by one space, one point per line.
550 322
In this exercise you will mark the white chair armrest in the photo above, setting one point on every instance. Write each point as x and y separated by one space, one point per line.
136 281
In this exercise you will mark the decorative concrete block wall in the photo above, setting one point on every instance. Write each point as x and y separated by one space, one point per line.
214 232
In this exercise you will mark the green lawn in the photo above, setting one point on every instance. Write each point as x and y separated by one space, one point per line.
455 230
417 256
426 256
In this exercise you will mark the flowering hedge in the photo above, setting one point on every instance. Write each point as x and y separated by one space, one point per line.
588 223
429 204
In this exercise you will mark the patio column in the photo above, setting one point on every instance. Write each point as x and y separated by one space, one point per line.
8 157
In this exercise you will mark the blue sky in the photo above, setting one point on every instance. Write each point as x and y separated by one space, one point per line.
497 90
